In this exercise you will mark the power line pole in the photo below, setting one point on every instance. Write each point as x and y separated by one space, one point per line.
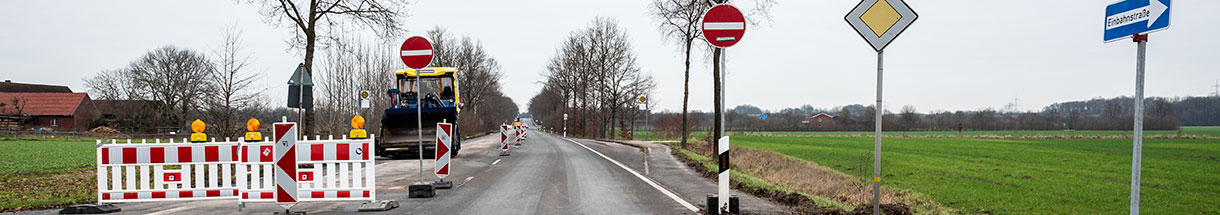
1217 87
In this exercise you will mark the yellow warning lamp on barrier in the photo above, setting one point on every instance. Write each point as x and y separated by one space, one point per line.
198 136
252 127
358 128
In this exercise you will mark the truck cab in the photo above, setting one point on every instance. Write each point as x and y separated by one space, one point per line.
430 95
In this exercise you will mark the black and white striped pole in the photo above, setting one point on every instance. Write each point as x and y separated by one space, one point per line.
723 26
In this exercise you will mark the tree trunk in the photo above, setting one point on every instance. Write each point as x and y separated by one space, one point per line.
686 96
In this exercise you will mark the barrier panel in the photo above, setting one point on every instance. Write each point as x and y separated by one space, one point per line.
342 170
145 172
333 170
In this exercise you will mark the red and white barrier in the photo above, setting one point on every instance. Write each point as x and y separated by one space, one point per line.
343 170
144 172
503 139
444 141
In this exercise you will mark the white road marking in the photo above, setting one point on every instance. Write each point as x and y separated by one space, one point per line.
495 162
671 195
468 179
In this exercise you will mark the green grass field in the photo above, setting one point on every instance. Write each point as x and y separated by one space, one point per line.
1207 131
1210 131
46 174
1039 176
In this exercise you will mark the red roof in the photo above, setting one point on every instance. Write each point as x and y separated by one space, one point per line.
53 104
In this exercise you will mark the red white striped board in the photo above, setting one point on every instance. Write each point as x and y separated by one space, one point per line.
520 133
183 154
444 140
504 138
285 164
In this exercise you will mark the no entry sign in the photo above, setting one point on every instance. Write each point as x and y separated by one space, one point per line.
416 52
723 25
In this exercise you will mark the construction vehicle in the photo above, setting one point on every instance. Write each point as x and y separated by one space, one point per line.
441 102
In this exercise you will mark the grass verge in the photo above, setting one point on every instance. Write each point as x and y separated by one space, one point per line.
747 177
46 174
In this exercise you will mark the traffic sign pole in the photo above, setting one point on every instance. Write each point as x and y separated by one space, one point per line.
1137 148
879 22
877 139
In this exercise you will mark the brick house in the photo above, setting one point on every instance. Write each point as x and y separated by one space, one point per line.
822 122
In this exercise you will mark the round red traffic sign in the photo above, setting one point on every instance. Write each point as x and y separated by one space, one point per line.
416 52
723 25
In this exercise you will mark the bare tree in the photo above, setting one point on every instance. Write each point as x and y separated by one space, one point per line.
234 89
117 84
169 75
679 21
314 22
596 73
909 117
347 68
479 75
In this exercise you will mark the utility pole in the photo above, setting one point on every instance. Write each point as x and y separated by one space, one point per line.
1217 87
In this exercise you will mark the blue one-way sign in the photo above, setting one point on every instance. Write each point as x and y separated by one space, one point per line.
1129 17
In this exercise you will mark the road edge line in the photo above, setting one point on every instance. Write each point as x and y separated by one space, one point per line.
668 193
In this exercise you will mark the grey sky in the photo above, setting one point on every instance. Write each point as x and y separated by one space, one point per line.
958 55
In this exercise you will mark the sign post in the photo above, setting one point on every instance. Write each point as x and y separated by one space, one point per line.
417 53
1136 19
364 100
879 22
565 125
647 111
723 26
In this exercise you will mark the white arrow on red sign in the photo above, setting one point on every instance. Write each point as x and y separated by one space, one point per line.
723 25
416 52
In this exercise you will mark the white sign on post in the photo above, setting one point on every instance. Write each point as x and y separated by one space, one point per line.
364 99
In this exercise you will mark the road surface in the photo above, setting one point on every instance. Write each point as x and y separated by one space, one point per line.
547 174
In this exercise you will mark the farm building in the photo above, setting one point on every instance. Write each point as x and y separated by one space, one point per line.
822 122
35 106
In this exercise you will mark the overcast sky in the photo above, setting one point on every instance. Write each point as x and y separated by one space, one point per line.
959 55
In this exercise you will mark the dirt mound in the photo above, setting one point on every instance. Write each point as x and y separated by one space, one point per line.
104 130
108 132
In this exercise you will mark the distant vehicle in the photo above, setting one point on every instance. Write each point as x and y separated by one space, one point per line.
441 102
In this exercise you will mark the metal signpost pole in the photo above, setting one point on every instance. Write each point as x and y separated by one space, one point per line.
419 119
1138 140
301 104
877 138
647 111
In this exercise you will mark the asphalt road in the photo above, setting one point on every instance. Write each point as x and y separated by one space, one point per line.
547 174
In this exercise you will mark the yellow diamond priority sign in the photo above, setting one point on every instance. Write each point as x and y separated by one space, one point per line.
880 21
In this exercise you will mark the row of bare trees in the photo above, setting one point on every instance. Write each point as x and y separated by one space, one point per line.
479 79
170 85
594 77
